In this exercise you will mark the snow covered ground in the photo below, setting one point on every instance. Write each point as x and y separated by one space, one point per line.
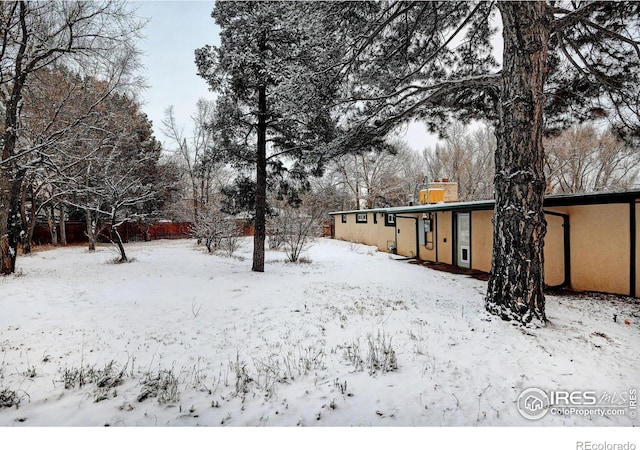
183 338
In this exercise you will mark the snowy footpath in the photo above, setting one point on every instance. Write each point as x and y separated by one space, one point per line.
179 337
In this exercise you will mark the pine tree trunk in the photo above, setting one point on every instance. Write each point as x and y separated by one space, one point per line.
261 183
515 290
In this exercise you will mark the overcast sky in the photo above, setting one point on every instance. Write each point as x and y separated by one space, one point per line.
174 31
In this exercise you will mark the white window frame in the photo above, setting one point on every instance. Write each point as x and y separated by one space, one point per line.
390 220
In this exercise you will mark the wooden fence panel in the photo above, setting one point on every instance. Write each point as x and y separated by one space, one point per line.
130 232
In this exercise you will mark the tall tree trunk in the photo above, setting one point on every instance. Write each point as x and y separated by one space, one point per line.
51 220
259 234
63 229
123 255
91 229
515 290
31 228
28 219
7 259
194 188
10 178
26 243
118 238
14 224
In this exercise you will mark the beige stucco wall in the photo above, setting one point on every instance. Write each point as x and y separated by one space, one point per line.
600 248
428 251
481 240
369 233
554 250
600 255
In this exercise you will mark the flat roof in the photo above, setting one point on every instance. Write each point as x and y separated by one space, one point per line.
592 198
481 204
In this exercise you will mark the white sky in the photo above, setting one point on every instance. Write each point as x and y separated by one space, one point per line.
174 31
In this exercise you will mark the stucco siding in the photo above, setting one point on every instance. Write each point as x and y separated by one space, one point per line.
428 251
481 240
370 233
554 251
600 245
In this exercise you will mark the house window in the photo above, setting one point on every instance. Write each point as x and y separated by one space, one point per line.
375 217
361 218
390 220
344 218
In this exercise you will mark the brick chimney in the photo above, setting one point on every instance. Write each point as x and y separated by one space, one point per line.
450 189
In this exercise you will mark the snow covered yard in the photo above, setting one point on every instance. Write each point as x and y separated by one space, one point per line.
182 338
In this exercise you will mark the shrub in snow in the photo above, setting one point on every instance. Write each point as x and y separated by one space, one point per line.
293 228
278 369
8 398
382 356
105 379
119 260
242 376
162 385
109 376
218 231
352 355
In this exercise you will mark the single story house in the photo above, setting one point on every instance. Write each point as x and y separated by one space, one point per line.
592 241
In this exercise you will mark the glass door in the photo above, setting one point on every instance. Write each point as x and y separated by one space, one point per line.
463 240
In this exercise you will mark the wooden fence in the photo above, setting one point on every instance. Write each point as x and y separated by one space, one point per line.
133 231
130 232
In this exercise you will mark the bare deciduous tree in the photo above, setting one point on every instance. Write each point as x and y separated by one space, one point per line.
197 155
218 230
465 157
378 178
584 159
93 38
293 228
